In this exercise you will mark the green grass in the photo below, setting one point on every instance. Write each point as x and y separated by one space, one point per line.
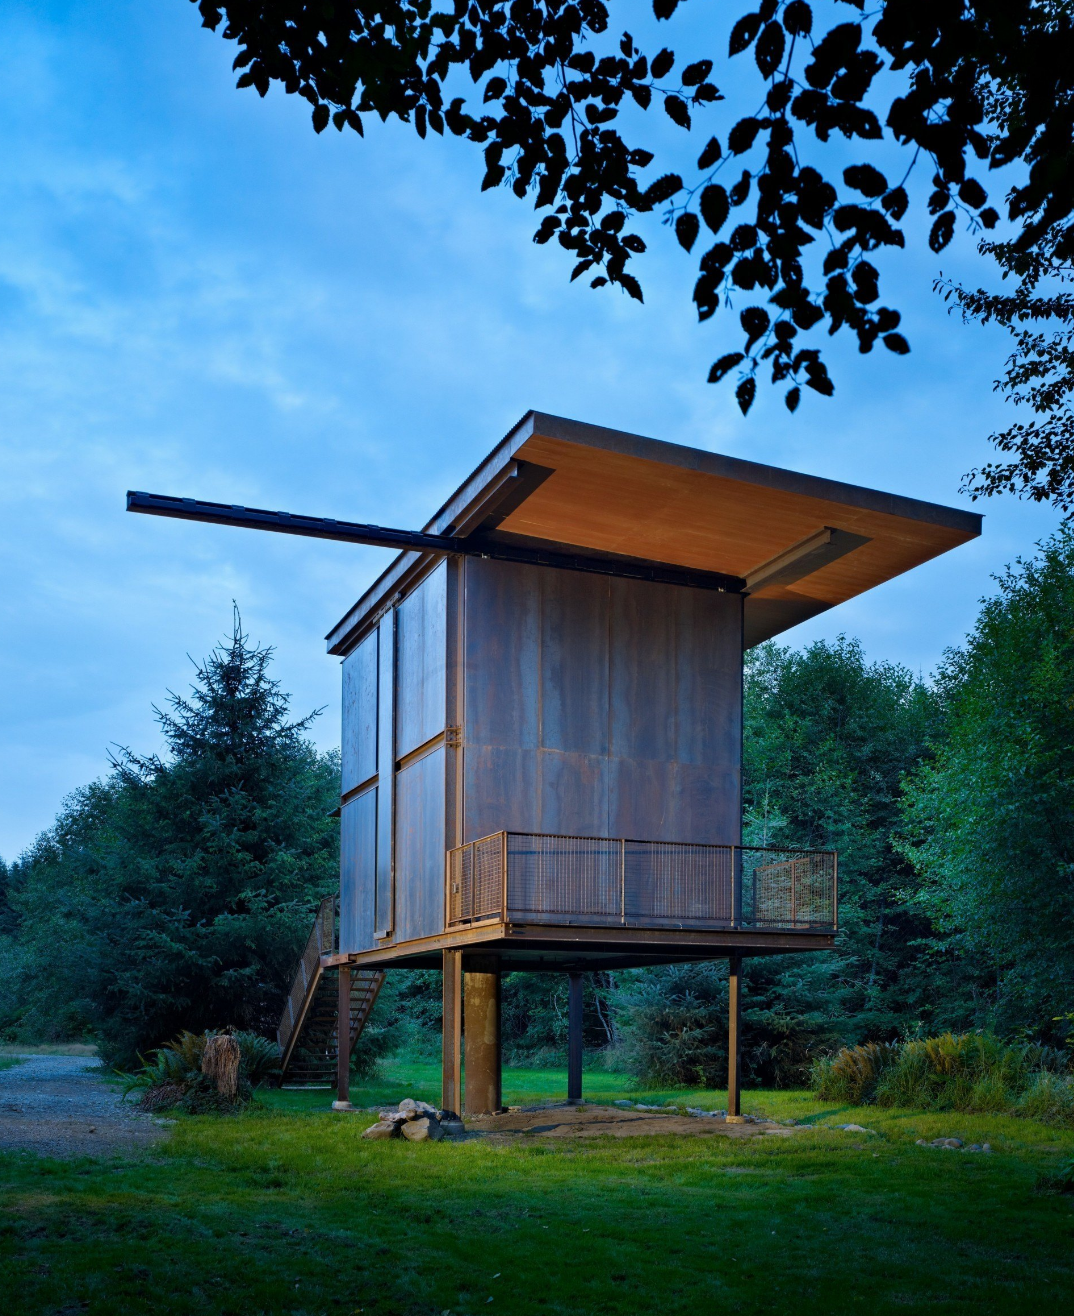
421 1079
287 1210
9 1062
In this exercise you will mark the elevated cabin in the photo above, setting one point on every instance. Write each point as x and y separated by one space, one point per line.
542 734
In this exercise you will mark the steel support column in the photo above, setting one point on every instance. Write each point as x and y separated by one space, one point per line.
343 1042
734 1012
451 1091
482 1092
574 1038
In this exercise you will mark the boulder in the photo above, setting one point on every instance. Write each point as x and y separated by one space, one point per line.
380 1130
394 1116
950 1143
425 1129
452 1128
412 1110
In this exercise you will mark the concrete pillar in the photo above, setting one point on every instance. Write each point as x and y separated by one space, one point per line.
343 1042
734 1012
574 1038
451 1091
481 1036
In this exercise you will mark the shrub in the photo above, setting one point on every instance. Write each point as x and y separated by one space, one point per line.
1050 1099
965 1072
173 1079
853 1073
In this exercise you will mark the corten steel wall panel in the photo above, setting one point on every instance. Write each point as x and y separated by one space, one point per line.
502 647
501 704
385 773
600 706
421 663
643 681
574 659
419 847
359 752
358 871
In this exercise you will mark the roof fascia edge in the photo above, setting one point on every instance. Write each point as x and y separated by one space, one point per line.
403 564
748 472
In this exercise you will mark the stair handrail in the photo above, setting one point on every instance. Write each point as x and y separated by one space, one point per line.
321 941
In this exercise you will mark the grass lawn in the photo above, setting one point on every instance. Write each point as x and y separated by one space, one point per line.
287 1210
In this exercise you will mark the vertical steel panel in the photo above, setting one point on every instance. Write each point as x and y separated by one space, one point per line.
600 706
501 671
384 913
359 736
421 663
358 871
419 847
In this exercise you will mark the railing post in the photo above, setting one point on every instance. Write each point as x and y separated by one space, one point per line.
736 886
503 876
622 882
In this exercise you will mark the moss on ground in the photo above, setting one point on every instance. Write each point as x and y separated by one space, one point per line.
287 1210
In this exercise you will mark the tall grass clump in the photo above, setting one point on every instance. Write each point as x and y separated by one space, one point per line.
971 1072
178 1077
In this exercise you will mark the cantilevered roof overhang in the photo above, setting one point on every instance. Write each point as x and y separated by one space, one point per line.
797 544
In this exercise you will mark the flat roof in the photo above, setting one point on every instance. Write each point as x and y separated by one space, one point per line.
803 544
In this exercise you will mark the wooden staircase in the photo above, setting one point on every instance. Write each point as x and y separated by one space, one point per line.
307 1034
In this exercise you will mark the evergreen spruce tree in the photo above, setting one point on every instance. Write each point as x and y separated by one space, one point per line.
178 892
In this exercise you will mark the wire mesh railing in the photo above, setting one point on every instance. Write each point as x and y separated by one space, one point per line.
528 877
321 941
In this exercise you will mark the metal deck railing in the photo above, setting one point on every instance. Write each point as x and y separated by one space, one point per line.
321 941
527 877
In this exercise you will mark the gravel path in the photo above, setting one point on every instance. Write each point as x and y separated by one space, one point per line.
58 1106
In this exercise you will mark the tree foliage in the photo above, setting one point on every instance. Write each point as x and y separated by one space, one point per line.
792 232
991 819
1039 375
176 894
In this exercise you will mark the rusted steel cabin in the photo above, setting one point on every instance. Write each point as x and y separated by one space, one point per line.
542 733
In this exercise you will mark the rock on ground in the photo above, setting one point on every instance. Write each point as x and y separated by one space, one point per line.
58 1106
426 1129
380 1130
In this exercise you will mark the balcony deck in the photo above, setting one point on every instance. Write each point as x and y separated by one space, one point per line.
536 900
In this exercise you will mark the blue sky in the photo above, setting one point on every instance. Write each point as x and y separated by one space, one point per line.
199 296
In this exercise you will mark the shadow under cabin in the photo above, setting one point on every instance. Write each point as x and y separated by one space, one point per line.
542 727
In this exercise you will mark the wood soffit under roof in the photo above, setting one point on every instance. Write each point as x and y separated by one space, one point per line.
612 492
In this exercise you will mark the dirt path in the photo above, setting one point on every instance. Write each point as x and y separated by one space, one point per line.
556 1120
58 1106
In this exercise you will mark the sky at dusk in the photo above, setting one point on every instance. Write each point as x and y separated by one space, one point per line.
200 296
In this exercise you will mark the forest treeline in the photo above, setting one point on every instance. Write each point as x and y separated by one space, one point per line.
176 892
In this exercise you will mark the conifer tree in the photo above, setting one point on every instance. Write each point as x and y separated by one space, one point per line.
177 892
